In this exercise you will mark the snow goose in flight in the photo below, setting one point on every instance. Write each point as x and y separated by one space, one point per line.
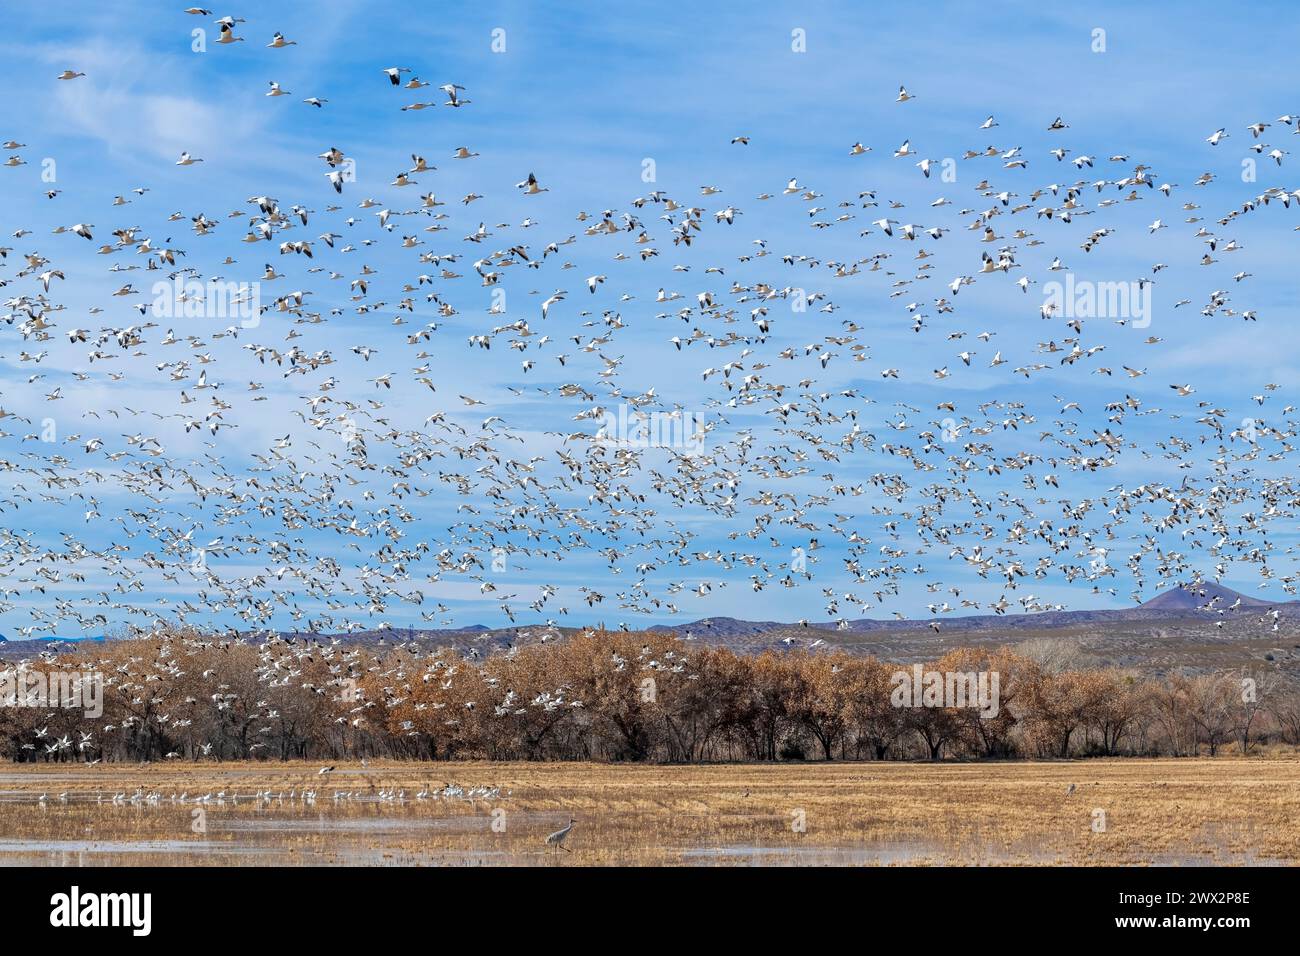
530 186
228 32
546 305
69 75
278 42
187 160
903 95
394 73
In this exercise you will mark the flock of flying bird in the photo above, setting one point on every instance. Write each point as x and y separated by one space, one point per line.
813 466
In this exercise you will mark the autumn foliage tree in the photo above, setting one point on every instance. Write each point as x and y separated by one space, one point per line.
602 695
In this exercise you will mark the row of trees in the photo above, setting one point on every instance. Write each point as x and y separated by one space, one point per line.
612 696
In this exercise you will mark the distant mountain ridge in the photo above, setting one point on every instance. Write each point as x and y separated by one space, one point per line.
1204 599
1204 595
1204 602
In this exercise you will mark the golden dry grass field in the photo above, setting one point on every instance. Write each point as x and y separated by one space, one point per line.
1123 811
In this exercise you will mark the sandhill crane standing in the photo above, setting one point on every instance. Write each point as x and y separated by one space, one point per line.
557 838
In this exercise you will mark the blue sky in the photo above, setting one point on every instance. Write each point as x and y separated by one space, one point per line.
583 98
